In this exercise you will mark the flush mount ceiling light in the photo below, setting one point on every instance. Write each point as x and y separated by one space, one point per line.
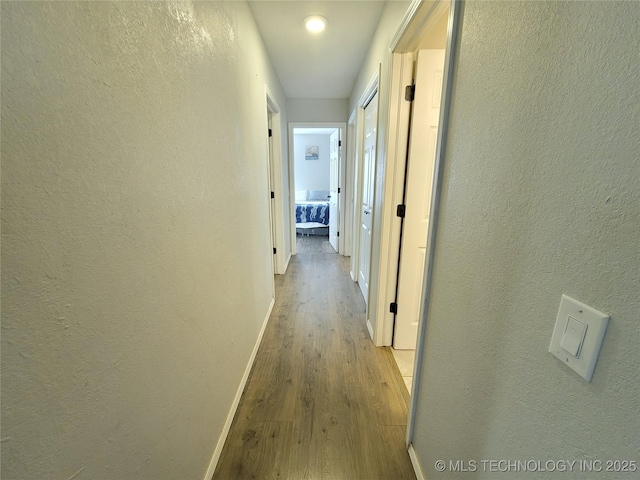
315 23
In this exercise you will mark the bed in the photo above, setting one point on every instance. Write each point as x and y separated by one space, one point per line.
312 212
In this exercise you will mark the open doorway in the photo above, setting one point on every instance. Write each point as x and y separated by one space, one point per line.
419 62
318 185
314 153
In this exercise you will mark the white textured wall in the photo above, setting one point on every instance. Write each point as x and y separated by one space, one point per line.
134 161
541 197
312 174
379 58
318 109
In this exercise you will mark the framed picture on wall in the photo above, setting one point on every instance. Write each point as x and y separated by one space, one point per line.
311 153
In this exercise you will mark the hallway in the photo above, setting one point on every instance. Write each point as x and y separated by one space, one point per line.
321 401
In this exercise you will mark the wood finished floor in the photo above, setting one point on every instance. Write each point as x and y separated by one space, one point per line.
322 402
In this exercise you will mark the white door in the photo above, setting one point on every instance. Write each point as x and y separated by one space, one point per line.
366 207
422 149
334 162
271 194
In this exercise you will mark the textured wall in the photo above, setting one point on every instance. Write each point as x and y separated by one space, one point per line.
317 110
312 174
132 296
541 197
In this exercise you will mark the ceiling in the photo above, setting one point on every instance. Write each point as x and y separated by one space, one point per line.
321 65
313 131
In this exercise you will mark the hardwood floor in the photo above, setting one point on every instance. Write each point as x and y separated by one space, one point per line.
322 402
313 244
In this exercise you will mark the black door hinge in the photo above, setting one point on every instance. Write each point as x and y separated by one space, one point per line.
338 234
270 133
401 211
338 189
393 307
274 251
273 195
339 143
410 93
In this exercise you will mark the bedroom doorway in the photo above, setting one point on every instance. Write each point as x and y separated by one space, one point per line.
317 181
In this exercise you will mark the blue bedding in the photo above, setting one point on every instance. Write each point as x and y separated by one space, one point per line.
312 212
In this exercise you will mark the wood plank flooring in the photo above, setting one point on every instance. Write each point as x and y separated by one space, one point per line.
322 402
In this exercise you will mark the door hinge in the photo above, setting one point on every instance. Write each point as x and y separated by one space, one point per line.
410 93
270 133
338 234
339 143
393 307
273 195
274 251
401 211
338 189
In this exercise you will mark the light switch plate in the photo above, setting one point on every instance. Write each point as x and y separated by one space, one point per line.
587 353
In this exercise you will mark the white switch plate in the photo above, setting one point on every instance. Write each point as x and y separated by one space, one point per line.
588 351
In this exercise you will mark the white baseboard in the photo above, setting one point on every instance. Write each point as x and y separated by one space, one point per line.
370 328
234 406
416 464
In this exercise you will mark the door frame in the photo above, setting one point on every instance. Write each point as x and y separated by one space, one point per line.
420 17
350 178
398 135
367 94
276 169
342 127
340 181
271 197
417 21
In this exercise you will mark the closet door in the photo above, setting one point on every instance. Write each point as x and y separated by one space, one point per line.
368 178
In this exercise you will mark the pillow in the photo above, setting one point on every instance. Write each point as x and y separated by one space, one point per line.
319 195
301 195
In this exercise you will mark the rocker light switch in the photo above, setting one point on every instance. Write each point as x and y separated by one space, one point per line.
573 336
577 336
